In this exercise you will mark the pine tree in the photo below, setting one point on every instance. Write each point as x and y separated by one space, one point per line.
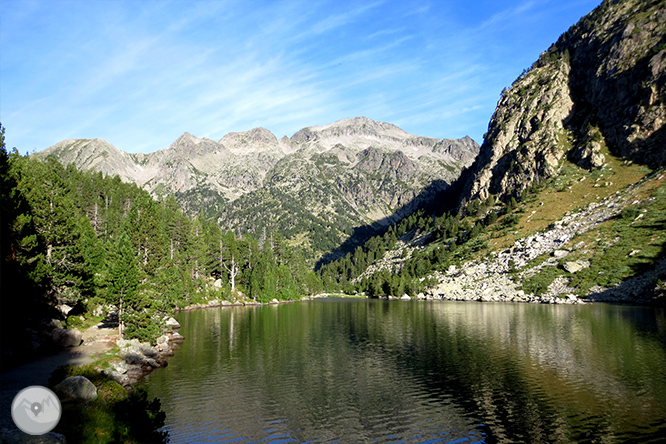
144 230
122 278
23 300
56 222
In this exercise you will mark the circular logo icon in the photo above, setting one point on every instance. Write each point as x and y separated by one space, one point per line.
36 410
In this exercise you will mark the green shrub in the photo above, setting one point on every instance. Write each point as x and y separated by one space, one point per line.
114 416
630 213
539 283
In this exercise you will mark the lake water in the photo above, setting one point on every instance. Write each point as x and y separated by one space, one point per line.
357 370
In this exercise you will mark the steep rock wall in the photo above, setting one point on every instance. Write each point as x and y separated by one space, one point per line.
603 82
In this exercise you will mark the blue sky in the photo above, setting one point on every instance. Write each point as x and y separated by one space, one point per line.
139 73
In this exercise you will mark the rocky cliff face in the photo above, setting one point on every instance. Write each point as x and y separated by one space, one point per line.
602 83
328 178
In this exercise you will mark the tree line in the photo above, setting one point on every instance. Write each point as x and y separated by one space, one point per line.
449 239
92 241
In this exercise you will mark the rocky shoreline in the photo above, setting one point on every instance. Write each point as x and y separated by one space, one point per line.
215 303
140 358
498 277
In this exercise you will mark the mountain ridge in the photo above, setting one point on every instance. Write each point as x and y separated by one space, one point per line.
346 174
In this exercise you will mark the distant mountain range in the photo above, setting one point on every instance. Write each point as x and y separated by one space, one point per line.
314 188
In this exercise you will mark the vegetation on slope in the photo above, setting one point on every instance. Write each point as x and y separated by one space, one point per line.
403 260
95 243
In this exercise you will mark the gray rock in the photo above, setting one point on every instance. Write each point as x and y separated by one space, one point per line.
134 357
560 253
76 388
120 378
67 337
138 353
575 266
163 339
164 349
98 311
172 323
53 324
177 338
120 366
64 308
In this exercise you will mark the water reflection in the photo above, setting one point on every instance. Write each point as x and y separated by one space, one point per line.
363 370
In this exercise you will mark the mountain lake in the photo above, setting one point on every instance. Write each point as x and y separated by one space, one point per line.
367 370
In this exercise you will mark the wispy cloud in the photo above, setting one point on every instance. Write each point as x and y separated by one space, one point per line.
139 74
506 17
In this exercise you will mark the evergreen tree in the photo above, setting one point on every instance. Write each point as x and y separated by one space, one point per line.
122 279
23 299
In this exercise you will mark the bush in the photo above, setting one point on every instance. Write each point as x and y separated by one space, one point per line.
630 213
114 416
539 283
140 418
509 221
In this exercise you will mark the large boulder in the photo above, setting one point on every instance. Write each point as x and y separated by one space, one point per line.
76 388
67 337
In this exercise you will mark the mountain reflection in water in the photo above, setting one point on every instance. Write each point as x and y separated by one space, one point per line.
356 370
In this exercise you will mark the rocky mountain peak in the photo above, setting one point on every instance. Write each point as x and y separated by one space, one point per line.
185 139
189 146
602 84
358 126
343 175
463 150
254 140
360 133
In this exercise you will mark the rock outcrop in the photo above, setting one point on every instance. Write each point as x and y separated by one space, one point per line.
602 84
141 358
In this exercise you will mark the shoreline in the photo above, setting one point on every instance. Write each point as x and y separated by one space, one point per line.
479 297
216 303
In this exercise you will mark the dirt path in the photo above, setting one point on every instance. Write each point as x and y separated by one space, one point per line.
96 341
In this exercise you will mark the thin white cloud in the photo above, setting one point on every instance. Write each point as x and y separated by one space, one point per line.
507 16
339 20
139 74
